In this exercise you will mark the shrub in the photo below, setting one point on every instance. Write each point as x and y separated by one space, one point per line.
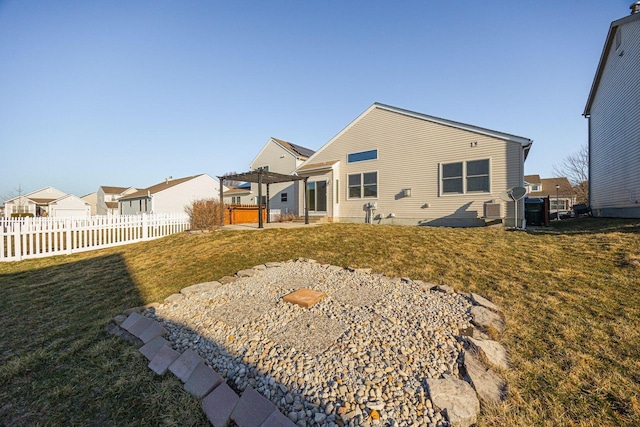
204 214
285 217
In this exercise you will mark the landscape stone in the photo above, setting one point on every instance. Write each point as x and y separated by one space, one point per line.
219 404
482 301
456 399
260 267
138 327
443 288
227 279
200 287
163 359
131 319
250 272
304 297
173 298
273 264
252 409
150 349
154 329
485 318
184 365
203 379
490 351
277 419
489 386
119 319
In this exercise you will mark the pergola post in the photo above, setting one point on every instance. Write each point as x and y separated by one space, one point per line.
221 180
268 208
260 224
306 202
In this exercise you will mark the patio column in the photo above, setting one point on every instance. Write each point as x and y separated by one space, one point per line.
306 204
260 224
268 208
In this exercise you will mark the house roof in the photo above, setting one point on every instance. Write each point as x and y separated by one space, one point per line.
532 179
237 191
37 200
111 205
613 29
316 166
168 183
525 142
549 187
40 201
296 149
113 190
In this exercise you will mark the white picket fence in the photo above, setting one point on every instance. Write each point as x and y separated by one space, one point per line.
24 238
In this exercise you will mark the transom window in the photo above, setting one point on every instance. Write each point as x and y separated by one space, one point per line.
362 185
466 177
362 156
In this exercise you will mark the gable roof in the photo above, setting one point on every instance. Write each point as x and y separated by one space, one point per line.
167 183
549 187
532 179
114 190
525 142
37 200
296 149
613 29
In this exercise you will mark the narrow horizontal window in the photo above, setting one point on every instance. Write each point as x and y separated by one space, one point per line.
362 156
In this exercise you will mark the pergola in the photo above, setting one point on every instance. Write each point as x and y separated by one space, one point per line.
260 177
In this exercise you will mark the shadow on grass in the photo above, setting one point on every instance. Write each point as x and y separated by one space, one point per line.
588 225
58 365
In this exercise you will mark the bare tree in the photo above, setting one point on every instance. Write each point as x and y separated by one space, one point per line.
576 168
231 182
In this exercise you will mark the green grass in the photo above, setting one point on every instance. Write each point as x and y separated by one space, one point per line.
570 296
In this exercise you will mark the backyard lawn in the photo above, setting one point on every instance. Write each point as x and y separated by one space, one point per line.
570 294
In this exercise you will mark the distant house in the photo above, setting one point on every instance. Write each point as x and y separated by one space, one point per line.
170 196
240 195
613 112
92 199
108 199
281 157
35 203
560 199
392 165
69 206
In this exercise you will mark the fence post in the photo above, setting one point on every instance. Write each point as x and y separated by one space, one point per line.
145 227
67 226
17 240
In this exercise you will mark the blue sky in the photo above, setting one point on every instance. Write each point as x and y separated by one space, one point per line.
126 93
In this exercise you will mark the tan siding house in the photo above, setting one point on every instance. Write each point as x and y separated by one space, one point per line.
613 111
281 157
396 166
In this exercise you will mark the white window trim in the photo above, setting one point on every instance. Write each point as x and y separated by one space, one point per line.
364 161
362 185
464 178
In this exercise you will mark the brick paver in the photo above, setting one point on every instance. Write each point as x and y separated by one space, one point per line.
163 359
155 329
138 328
252 409
185 364
304 297
131 319
203 379
150 349
277 419
219 404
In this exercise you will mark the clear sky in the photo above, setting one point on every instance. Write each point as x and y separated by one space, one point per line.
126 93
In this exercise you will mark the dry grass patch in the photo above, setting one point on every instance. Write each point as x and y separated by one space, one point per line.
570 295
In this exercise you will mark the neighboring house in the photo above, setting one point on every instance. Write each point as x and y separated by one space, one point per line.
240 195
69 206
170 196
92 199
35 203
392 165
281 157
613 111
560 199
108 199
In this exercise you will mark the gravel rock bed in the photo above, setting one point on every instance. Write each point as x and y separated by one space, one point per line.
360 356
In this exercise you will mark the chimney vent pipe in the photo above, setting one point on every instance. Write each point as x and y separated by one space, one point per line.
635 7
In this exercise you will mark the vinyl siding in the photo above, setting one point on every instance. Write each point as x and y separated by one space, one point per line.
615 127
410 152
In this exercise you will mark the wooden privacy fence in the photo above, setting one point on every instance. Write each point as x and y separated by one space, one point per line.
24 238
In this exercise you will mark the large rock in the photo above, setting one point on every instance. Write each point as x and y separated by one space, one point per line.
456 399
485 318
489 385
482 301
200 287
490 351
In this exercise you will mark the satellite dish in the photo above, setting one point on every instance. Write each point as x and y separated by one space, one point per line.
513 195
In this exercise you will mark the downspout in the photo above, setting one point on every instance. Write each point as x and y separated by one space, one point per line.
589 159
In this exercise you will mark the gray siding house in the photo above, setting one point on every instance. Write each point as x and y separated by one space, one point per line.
396 166
613 111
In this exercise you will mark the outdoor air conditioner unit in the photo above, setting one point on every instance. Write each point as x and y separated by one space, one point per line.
493 210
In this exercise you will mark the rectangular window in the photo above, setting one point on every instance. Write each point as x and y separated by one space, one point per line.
263 168
363 185
535 188
466 177
283 197
311 195
362 156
